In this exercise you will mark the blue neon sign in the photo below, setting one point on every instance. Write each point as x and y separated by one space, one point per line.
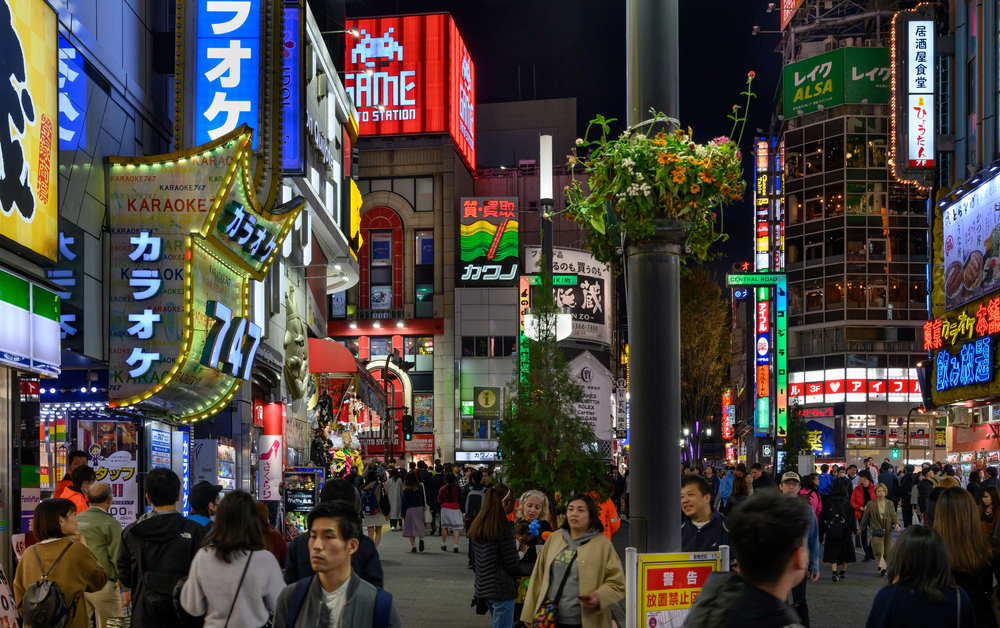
72 97
972 365
227 72
293 144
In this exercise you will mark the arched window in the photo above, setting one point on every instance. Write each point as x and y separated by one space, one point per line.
381 260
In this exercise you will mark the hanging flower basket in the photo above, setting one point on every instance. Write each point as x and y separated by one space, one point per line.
644 181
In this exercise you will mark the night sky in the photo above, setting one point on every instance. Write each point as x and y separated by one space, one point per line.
577 49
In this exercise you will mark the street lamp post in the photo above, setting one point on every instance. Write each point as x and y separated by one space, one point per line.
906 461
653 293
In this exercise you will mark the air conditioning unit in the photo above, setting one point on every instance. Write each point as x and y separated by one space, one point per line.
829 44
847 43
960 417
872 43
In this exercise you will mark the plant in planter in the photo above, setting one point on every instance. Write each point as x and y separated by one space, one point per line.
640 180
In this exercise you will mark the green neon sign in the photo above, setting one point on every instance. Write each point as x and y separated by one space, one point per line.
557 280
755 279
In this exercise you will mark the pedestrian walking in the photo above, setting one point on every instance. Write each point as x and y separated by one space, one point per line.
768 535
371 497
989 509
991 477
74 459
741 491
82 477
276 543
433 487
221 586
616 482
925 485
395 490
103 536
414 527
335 595
790 485
365 561
451 514
156 552
975 557
975 485
863 493
809 492
61 557
888 478
578 571
880 517
761 479
702 529
472 499
713 480
922 591
204 501
493 548
906 486
943 484
841 526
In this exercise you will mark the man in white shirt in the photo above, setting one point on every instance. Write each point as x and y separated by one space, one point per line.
334 597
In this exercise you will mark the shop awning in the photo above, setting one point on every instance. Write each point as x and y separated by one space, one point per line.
335 362
331 358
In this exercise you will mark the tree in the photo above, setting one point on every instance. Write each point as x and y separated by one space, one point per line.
545 445
705 353
796 439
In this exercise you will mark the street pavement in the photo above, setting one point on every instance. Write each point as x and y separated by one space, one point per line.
434 589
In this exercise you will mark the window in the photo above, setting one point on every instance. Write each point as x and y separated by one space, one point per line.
420 351
503 346
489 346
379 347
425 195
424 274
381 270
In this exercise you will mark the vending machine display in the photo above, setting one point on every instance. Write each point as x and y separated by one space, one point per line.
227 464
302 486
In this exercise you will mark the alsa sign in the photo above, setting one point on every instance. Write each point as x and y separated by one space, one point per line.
412 74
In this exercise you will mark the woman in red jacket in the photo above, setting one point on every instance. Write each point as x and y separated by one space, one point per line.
863 493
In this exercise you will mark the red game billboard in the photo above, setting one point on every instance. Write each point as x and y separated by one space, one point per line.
412 74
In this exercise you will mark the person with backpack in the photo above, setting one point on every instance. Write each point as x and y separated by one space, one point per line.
221 586
60 565
413 511
103 535
451 513
434 486
473 499
372 493
156 552
841 525
906 485
335 595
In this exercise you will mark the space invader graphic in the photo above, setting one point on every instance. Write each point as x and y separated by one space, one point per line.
18 109
370 48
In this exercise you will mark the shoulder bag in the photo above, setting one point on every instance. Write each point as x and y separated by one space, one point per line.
882 519
428 516
238 587
547 615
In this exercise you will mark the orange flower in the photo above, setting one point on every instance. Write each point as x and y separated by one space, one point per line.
695 188
706 177
678 174
724 189
660 141
662 158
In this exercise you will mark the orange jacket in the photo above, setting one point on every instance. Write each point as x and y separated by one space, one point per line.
609 517
78 498
61 487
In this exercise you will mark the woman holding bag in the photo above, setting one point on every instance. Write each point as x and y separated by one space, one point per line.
221 586
414 505
578 575
880 517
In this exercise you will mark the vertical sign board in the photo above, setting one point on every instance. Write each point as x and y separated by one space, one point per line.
228 68
761 207
913 82
779 283
762 350
788 9
488 242
523 303
412 74
293 152
29 213
72 97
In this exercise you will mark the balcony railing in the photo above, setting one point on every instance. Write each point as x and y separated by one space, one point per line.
366 315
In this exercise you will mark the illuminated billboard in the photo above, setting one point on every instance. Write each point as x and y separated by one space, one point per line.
412 74
29 213
962 351
971 236
489 242
913 89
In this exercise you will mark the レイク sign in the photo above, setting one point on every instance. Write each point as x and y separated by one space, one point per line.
412 74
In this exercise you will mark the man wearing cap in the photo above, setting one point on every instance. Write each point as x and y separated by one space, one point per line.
204 500
790 485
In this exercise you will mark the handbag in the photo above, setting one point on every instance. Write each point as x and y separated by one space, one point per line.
428 516
879 533
547 615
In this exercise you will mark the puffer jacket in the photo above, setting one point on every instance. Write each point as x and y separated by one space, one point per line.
497 567
729 601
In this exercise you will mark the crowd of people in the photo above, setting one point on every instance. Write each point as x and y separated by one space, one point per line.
941 570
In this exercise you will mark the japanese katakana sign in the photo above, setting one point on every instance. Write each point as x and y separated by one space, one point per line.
669 584
589 300
489 242
188 235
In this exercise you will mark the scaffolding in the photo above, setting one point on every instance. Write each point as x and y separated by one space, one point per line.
819 26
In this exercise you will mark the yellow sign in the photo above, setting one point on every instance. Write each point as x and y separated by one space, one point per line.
672 582
29 211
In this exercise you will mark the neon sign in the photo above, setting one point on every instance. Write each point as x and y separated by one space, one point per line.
972 365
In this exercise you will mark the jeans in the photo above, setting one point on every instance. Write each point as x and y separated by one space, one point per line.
502 612
799 601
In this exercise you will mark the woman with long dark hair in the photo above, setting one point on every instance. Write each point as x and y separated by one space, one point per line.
577 570
449 498
413 511
975 557
371 496
989 508
63 554
276 543
221 586
395 489
493 549
922 591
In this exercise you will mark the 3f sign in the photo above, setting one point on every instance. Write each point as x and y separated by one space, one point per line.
237 339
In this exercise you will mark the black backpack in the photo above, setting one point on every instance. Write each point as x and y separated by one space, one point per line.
369 504
836 524
158 588
383 502
44 605
473 502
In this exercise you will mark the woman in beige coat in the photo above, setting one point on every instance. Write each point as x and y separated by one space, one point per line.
880 517
585 559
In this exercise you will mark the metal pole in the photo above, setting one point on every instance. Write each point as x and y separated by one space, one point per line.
653 58
387 441
653 287
908 414
655 393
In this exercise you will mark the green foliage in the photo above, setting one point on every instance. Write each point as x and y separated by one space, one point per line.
796 440
546 446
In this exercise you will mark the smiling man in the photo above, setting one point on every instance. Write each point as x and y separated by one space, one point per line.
334 596
703 529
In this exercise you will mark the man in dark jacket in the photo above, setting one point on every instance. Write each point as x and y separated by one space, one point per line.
365 561
991 478
761 479
434 485
924 488
905 493
702 529
768 537
156 552
888 477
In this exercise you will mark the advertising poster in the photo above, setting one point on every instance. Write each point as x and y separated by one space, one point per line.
159 448
8 607
113 450
488 255
972 245
423 413
29 213
589 300
597 384
272 451
845 75
669 585
820 437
